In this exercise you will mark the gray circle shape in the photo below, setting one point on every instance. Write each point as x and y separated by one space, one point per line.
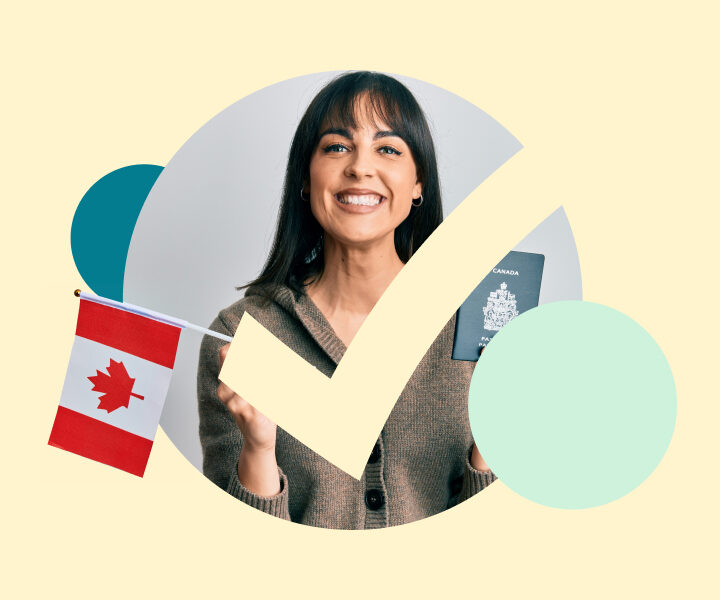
208 223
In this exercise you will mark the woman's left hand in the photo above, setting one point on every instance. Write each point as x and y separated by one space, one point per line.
477 462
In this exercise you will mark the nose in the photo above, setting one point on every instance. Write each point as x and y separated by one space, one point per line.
360 164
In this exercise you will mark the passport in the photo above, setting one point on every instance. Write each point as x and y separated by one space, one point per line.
510 289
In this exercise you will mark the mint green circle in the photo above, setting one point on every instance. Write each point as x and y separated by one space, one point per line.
572 404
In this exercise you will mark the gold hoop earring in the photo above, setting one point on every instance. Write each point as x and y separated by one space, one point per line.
419 203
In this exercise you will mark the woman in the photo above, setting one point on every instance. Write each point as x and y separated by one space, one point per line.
361 195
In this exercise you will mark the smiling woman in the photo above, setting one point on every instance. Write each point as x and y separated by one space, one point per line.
361 195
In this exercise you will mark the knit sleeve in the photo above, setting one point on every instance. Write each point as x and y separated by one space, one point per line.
220 436
474 481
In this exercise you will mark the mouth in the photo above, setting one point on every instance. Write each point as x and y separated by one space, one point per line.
359 199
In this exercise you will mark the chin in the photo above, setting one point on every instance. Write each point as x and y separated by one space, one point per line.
359 238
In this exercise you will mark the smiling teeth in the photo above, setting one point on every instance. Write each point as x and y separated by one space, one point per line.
370 200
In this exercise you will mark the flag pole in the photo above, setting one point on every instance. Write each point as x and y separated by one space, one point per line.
146 312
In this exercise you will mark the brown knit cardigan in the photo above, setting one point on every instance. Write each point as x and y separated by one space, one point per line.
419 466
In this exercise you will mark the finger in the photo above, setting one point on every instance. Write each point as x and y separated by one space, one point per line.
224 393
241 408
234 403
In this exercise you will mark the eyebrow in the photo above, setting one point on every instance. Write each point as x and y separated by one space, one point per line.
346 133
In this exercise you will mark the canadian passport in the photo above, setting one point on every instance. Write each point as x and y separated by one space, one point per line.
510 289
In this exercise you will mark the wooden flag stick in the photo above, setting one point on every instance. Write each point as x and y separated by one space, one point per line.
146 312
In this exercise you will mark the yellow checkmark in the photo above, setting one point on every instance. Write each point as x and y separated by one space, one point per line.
341 417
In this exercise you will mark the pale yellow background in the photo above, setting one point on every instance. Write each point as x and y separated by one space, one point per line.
617 107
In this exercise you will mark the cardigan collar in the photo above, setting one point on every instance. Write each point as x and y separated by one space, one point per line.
306 311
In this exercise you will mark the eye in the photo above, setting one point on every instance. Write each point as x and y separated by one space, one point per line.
389 150
334 148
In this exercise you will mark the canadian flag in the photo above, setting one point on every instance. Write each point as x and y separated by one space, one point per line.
115 387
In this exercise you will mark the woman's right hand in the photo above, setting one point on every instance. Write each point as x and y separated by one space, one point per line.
257 468
258 431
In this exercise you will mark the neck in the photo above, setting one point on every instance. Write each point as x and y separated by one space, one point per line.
354 278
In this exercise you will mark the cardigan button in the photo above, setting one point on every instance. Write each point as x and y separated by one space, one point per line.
374 499
374 455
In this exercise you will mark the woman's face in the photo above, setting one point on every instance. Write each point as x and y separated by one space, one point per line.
362 182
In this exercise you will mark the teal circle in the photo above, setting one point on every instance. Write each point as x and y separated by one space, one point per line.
103 226
572 404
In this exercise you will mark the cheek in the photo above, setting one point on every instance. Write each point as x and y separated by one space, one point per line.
317 208
322 172
405 183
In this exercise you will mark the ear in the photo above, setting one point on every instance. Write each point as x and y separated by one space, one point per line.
417 190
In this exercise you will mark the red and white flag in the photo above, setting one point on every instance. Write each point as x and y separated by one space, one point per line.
115 387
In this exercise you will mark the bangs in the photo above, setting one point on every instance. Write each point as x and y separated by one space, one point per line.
346 112
369 101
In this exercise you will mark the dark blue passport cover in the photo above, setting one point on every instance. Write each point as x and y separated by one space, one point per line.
510 289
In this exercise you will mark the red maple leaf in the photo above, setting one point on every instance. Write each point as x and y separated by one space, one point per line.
116 386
